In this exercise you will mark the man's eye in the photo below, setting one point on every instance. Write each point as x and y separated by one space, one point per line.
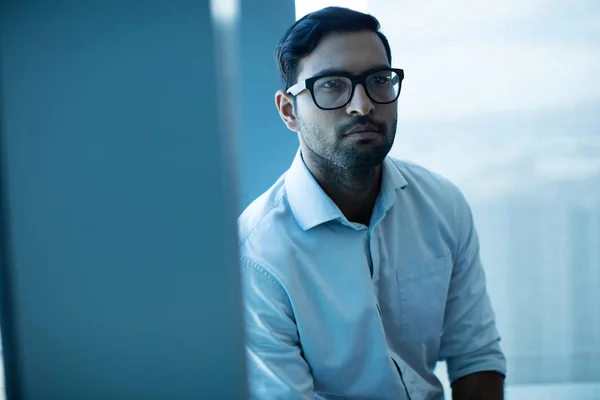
333 84
381 80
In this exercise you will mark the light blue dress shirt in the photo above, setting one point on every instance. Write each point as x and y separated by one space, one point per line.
336 309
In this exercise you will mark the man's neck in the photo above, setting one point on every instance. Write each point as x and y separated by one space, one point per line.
354 191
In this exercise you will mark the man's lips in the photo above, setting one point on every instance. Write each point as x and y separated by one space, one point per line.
363 132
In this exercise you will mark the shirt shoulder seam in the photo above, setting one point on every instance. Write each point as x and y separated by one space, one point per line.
275 204
248 263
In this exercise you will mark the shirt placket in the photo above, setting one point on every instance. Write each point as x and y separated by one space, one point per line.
375 260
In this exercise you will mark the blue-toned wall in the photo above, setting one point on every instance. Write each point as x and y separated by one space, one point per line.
266 146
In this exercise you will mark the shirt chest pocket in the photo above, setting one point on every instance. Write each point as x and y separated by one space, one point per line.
423 291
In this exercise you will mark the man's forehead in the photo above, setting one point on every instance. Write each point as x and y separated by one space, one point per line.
353 52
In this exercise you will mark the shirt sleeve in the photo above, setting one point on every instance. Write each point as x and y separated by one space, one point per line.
276 368
470 341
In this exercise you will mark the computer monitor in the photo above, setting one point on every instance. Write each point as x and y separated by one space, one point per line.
118 259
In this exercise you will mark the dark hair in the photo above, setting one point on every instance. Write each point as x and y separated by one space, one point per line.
305 34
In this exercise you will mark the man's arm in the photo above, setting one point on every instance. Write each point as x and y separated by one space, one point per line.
479 386
276 368
470 342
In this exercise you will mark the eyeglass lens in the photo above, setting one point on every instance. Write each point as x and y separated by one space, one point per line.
335 91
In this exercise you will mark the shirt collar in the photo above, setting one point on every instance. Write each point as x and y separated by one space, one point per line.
310 204
391 181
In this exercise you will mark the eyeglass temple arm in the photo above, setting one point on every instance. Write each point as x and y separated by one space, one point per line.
297 88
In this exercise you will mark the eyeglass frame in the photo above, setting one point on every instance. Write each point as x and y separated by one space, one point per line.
355 79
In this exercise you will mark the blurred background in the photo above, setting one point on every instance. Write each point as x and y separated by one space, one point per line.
503 98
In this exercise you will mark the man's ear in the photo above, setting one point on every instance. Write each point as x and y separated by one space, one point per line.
285 105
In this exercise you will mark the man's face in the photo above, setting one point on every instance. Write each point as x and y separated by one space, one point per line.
326 133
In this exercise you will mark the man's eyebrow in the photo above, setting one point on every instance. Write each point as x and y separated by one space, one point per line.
337 71
332 71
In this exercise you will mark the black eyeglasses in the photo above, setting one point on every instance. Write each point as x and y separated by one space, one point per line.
332 91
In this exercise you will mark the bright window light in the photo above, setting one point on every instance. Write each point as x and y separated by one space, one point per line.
225 11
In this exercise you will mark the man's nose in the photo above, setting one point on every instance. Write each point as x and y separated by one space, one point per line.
360 103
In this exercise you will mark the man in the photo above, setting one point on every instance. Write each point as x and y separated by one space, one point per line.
360 271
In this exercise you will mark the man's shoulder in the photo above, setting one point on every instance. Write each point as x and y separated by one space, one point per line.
266 231
424 179
260 220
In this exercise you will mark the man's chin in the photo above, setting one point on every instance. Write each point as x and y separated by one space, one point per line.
367 157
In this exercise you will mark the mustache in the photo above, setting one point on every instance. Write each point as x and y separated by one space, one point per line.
347 126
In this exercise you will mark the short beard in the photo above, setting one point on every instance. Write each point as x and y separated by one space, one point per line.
332 156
